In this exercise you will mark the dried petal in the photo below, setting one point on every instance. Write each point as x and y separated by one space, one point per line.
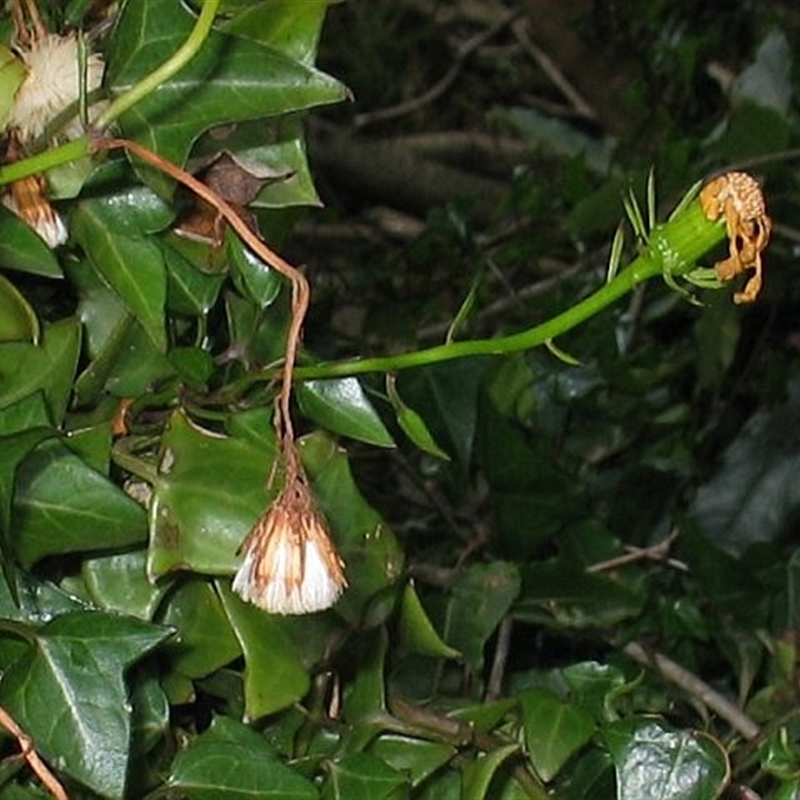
737 197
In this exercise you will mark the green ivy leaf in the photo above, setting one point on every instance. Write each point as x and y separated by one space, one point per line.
30 412
366 695
26 599
373 558
151 714
209 492
416 633
18 321
62 506
561 592
416 758
189 291
478 773
340 406
14 448
231 762
68 693
253 277
481 596
205 641
754 495
133 267
554 730
274 676
119 583
655 761
231 79
412 424
447 396
289 27
24 250
484 716
135 362
274 149
48 367
133 211
364 777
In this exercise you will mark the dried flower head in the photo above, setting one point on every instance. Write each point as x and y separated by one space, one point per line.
737 197
27 198
290 562
52 85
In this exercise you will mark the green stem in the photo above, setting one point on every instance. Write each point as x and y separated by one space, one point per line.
78 148
161 74
122 456
673 247
48 159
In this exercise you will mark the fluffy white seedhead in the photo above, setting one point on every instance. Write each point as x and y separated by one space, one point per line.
52 85
290 563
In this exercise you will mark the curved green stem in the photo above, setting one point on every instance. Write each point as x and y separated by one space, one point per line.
48 159
673 250
161 74
78 148
122 456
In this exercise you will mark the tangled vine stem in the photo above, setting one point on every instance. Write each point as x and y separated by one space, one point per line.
41 770
301 290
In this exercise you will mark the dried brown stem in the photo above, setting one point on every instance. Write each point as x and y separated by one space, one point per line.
551 69
42 771
494 686
694 686
441 86
658 552
301 290
22 33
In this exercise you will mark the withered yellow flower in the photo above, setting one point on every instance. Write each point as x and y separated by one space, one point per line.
290 565
737 197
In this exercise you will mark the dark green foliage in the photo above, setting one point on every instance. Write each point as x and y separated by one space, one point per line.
510 524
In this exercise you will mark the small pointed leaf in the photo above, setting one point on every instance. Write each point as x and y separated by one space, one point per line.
340 406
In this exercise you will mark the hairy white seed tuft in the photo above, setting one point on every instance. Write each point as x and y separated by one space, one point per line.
290 563
52 85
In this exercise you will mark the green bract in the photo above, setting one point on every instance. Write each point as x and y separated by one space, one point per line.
12 74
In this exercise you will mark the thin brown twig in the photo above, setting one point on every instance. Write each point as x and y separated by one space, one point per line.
443 84
694 686
42 771
414 720
657 552
301 291
550 68
494 686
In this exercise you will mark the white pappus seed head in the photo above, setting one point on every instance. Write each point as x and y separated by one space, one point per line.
290 563
52 85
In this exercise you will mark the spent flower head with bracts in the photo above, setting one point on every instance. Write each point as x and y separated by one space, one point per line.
290 565
52 85
55 77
